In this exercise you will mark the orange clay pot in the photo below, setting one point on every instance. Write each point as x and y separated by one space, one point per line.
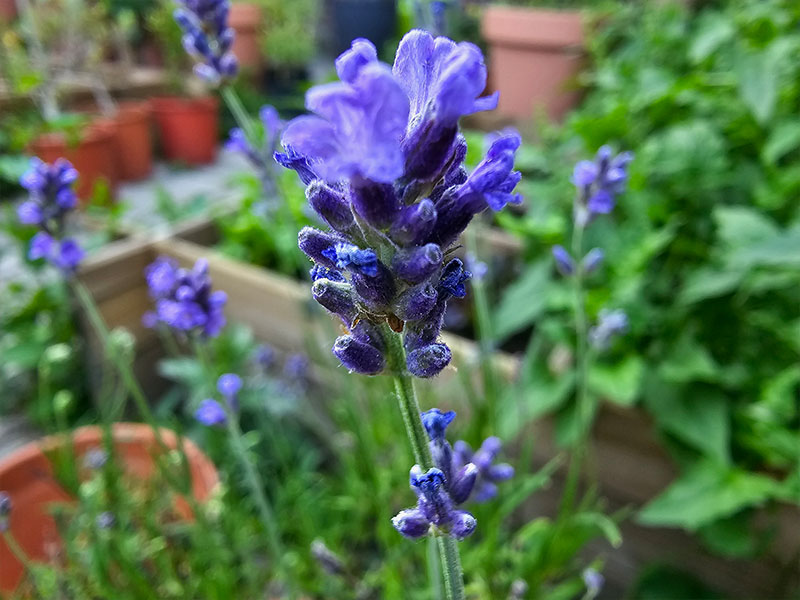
8 10
94 155
28 478
187 128
245 18
535 56
134 141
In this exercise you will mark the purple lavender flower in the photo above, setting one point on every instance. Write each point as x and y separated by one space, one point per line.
593 580
95 459
489 474
50 198
260 156
297 367
435 509
208 39
610 323
210 412
184 300
599 182
5 511
265 356
105 520
593 259
383 161
564 261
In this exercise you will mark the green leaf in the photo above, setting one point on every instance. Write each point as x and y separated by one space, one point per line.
706 492
741 226
758 83
603 523
688 361
707 282
784 138
524 300
714 29
618 383
730 537
701 420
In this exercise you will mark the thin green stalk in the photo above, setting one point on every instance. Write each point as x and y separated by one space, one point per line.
19 554
581 380
252 477
409 407
239 113
122 365
435 568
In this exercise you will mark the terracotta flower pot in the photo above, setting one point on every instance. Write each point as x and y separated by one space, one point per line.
28 478
187 128
534 56
134 141
94 155
246 18
8 10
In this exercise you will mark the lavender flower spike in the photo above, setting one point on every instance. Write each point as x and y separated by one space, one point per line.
208 39
184 299
434 510
489 474
50 199
383 161
599 182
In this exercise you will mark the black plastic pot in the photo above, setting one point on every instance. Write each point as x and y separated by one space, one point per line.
375 20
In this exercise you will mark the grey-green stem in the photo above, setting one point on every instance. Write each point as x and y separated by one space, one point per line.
409 407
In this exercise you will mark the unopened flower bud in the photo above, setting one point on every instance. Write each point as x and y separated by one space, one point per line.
414 223
592 260
416 302
358 356
564 261
417 264
428 361
331 205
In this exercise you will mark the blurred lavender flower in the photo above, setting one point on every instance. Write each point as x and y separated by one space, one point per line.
593 580
95 459
208 39
489 474
105 520
261 157
326 559
519 588
265 356
50 199
5 510
184 300
593 259
599 182
564 261
211 412
610 323
383 161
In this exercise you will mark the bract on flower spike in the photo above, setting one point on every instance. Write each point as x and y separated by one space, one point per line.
382 157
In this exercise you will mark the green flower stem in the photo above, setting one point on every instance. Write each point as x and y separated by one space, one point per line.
252 477
19 554
239 113
409 407
582 369
122 365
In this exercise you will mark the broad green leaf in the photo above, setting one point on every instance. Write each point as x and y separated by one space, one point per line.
688 361
784 138
706 492
707 282
618 383
524 300
741 226
701 420
713 30
758 83
782 250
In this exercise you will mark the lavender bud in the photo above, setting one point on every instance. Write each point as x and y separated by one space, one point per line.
229 385
416 302
501 472
376 203
326 559
376 291
331 205
105 520
320 272
592 260
564 262
357 356
610 323
436 422
463 525
369 333
428 361
414 223
463 483
411 523
210 412
336 297
314 243
417 264
453 278
593 581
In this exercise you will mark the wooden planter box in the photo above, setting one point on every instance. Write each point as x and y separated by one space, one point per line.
627 458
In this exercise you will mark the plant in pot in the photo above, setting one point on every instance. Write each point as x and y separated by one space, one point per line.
246 19
535 51
187 120
64 42
289 41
